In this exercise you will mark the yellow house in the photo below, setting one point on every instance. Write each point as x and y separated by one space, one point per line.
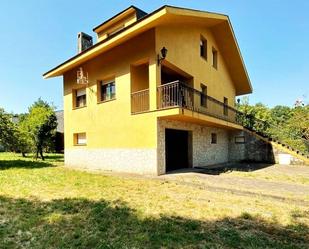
155 92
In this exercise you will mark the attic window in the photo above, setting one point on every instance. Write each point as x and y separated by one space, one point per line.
214 58
203 47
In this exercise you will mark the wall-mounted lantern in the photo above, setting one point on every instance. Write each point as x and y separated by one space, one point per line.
162 56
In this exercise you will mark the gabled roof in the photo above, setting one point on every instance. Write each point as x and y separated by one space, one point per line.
139 13
219 24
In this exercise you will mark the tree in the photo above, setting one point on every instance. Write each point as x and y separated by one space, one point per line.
39 126
298 126
255 117
7 130
280 114
24 142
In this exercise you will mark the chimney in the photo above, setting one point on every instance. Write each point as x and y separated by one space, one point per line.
84 42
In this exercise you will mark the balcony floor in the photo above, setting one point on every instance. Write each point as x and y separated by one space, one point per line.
184 115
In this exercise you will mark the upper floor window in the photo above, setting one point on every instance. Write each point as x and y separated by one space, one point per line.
203 47
214 58
203 95
225 106
107 90
80 99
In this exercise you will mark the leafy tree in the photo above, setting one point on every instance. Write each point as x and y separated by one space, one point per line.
25 143
298 126
39 126
280 114
254 117
7 130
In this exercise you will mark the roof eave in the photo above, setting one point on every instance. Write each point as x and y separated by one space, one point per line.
241 58
122 33
80 58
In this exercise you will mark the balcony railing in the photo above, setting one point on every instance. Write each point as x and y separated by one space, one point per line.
140 101
178 94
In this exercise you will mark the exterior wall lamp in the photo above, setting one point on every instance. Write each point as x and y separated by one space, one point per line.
162 56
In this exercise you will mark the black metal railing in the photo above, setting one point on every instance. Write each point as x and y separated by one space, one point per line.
179 94
140 101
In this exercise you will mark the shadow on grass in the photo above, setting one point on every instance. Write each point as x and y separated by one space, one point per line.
55 157
81 223
8 164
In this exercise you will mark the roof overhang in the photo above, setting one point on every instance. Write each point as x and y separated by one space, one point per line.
130 10
218 23
147 22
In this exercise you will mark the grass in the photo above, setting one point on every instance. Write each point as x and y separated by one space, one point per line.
45 205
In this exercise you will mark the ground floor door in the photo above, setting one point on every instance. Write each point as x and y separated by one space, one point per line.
177 149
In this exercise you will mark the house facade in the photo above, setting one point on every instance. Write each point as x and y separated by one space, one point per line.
155 93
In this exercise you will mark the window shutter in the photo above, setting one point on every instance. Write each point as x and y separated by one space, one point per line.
81 92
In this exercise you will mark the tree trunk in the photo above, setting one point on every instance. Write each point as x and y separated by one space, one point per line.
41 154
23 154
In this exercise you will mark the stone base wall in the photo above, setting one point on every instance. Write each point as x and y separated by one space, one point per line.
257 150
253 149
141 161
237 151
203 152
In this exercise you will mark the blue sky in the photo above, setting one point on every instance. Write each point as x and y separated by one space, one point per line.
38 35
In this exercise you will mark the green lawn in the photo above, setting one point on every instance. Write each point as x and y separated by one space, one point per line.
45 205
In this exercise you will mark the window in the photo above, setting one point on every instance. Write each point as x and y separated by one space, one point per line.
215 58
107 90
240 140
204 95
225 106
213 138
203 48
80 139
80 98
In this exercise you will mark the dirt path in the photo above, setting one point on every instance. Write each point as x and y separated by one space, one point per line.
240 185
250 186
236 191
237 182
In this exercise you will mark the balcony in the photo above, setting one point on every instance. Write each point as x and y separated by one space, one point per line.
178 94
140 101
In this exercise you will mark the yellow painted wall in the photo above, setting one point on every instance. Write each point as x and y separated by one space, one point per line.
110 124
182 42
139 77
